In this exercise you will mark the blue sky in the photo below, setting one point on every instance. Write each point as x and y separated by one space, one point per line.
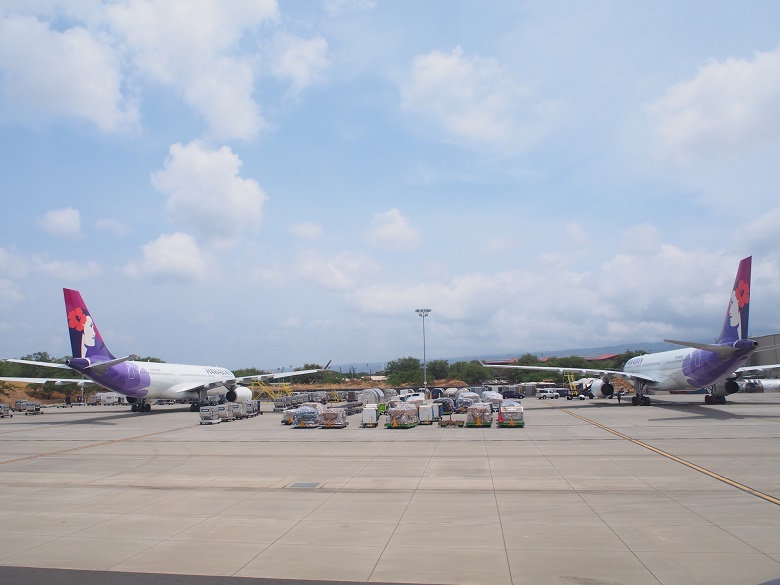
277 183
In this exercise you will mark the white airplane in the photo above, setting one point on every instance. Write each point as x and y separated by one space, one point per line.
141 382
695 366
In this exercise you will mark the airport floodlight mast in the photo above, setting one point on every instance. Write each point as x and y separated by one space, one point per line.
424 313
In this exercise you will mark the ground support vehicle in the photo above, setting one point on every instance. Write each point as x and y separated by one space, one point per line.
370 416
574 395
402 416
333 418
479 415
209 415
510 415
545 393
5 411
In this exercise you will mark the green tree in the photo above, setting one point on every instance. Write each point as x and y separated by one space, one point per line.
473 373
438 369
404 371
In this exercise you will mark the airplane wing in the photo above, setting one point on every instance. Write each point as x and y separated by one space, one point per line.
280 375
747 370
57 381
582 371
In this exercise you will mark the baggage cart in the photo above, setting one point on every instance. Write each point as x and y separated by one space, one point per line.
33 408
209 415
225 413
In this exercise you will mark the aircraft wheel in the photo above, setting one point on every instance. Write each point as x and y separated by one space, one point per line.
645 401
635 400
133 408
707 399
147 407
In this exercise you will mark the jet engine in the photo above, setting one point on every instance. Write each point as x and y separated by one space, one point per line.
602 389
750 386
727 387
239 394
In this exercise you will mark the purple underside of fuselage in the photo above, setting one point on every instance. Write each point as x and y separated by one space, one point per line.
125 378
705 368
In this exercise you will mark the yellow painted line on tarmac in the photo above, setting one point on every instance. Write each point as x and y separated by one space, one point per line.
101 444
693 466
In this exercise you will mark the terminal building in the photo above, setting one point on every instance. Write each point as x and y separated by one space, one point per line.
767 353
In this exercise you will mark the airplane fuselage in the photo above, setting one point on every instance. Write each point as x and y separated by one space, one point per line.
153 380
685 368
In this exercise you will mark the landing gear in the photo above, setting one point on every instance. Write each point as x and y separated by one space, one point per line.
142 406
640 400
714 399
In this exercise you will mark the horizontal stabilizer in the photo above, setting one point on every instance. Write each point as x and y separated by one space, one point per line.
102 367
42 364
724 351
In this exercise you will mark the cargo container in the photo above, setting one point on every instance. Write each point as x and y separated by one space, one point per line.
209 415
370 416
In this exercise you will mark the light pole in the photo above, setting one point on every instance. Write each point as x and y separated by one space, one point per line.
424 313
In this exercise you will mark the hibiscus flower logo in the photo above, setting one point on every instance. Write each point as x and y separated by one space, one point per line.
742 293
77 318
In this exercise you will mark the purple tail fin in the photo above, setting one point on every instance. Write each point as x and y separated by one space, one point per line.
735 325
85 340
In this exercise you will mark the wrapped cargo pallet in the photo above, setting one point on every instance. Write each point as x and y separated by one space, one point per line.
493 398
318 406
306 417
510 414
333 418
288 415
479 414
464 400
402 416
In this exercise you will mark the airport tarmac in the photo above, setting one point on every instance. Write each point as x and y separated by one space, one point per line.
589 492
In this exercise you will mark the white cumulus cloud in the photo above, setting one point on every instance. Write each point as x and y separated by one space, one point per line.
390 230
206 194
339 272
193 46
73 72
64 223
727 109
472 101
301 61
171 257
